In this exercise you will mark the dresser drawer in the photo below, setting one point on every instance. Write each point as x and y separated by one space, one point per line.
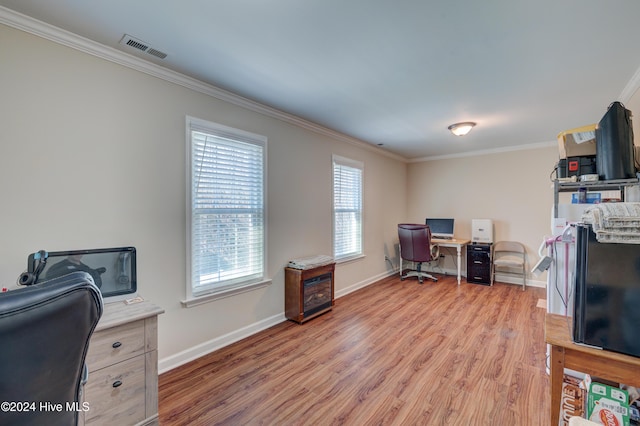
113 345
116 394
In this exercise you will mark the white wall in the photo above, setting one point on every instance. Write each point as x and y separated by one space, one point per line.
633 105
511 188
92 154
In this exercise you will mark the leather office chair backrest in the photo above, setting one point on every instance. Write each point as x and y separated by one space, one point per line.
415 242
44 339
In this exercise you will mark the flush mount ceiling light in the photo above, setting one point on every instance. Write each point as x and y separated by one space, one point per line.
461 129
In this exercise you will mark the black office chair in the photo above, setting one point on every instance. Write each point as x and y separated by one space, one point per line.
44 333
415 246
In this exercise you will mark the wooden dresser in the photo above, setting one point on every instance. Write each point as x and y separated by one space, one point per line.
122 387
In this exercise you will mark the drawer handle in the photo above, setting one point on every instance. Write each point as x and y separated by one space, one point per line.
117 383
116 345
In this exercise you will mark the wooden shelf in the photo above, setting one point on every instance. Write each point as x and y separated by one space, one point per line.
601 185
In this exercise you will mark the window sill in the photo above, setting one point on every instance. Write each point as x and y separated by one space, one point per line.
221 294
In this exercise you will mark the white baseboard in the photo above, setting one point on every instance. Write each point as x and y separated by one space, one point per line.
205 348
362 284
508 279
516 280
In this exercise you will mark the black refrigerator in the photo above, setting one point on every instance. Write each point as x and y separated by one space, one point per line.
607 294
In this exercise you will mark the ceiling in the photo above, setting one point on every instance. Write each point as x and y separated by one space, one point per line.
393 74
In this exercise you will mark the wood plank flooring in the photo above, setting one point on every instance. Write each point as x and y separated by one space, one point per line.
393 353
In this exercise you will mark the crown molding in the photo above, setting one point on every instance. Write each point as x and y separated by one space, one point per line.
524 147
49 32
57 35
631 88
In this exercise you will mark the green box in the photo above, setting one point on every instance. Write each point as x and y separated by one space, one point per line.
607 405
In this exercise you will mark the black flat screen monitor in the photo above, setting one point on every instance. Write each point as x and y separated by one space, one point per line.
113 269
441 227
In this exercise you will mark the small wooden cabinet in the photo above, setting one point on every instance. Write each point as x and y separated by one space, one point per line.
308 292
122 387
479 264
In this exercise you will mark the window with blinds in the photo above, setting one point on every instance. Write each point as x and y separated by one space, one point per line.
347 208
226 209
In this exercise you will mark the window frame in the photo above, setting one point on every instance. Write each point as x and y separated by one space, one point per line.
234 286
354 164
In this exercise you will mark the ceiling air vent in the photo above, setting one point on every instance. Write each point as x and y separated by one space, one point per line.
134 43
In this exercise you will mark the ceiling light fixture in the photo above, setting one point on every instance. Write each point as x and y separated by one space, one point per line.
461 129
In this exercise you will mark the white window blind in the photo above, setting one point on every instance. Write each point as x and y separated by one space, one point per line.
227 208
347 207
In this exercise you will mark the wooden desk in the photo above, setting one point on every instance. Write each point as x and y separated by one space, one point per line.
566 354
457 243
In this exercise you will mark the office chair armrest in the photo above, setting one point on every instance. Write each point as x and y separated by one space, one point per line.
435 251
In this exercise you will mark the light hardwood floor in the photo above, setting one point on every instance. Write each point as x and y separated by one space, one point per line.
393 353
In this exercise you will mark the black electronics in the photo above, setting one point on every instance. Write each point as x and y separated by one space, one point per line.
614 144
37 262
577 166
113 269
607 293
440 228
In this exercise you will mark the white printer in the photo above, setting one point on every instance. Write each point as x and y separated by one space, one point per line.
482 231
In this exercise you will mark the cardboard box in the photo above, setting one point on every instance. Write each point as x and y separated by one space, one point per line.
578 142
608 405
573 400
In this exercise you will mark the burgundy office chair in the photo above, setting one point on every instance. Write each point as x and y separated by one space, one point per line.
415 246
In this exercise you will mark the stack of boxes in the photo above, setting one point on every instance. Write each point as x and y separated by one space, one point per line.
600 403
603 151
577 149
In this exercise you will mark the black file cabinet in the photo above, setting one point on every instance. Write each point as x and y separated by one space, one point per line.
479 264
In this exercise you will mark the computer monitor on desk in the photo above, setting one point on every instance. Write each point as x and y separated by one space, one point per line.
441 228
